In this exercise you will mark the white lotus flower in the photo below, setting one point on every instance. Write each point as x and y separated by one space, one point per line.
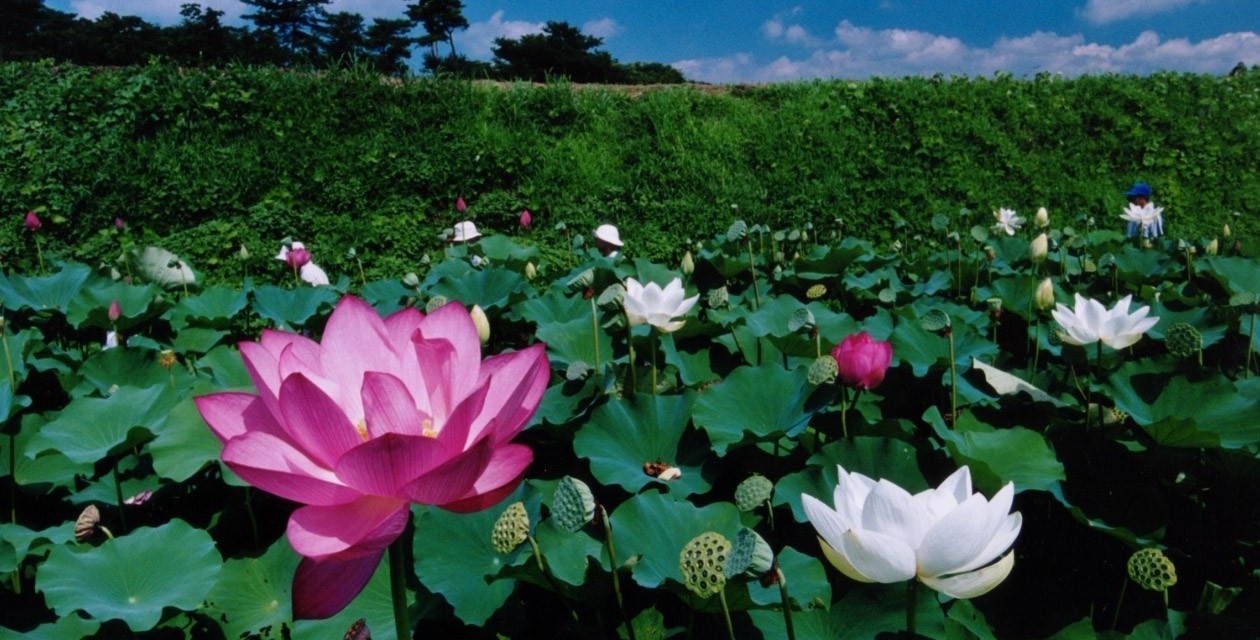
948 538
656 306
1089 322
1007 221
1147 219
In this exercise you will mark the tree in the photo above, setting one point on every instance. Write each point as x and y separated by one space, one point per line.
560 50
440 19
294 23
342 38
389 44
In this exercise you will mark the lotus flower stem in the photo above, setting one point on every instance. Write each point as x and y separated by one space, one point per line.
910 608
953 377
249 508
39 252
122 515
595 332
656 339
1036 343
542 568
8 359
752 271
362 276
616 580
739 348
844 412
787 606
398 588
726 615
1115 616
1251 342
634 376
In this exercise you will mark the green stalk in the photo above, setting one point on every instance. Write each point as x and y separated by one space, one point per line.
752 271
398 589
122 515
1115 617
953 378
612 558
726 615
634 376
910 609
844 412
1036 343
1251 341
249 508
595 332
787 606
656 339
39 251
538 559
362 276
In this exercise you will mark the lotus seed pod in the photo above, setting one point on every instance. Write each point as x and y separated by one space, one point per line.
531 271
411 280
166 358
994 305
1115 415
737 231
755 490
815 292
935 320
1152 570
577 370
1183 340
511 529
435 303
574 505
702 563
613 298
86 525
1045 295
750 555
688 265
718 298
1055 336
481 322
823 371
802 318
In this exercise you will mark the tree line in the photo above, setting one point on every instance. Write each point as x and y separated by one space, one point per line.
304 34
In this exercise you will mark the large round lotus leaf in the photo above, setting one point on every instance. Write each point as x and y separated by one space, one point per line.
887 458
554 307
44 293
870 611
489 288
500 248
386 296
999 456
454 555
23 541
226 368
623 435
806 581
132 577
184 443
253 594
66 627
1215 405
922 349
215 307
572 341
759 403
38 466
287 308
656 528
91 306
374 605
197 340
693 367
568 555
90 429
127 367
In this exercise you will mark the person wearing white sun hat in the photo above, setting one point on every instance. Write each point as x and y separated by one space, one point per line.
465 233
608 240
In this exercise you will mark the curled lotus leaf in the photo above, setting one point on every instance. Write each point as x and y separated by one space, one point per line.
935 320
737 231
802 318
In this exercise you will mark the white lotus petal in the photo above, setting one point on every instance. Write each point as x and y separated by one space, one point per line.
882 558
890 510
842 563
973 583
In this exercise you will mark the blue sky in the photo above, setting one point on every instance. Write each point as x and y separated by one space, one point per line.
731 41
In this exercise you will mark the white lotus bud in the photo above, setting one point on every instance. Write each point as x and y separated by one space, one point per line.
481 322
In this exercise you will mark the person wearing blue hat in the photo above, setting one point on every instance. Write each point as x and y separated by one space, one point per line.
1145 219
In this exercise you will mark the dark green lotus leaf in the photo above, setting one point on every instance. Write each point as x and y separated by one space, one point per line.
936 282
23 542
569 555
386 296
253 594
623 435
806 580
1181 432
44 293
10 404
197 340
774 318
726 264
1127 536
66 627
1016 293
290 308
128 367
184 443
886 458
565 402
374 605
490 288
90 429
646 271
574 341
554 307
1201 318
740 341
966 621
454 556
46 470
501 249
1216 404
102 491
1236 274
693 367
999 456
215 307
649 624
91 307
1142 267
655 528
758 403
23 348
130 577
863 613
825 263
922 350
226 368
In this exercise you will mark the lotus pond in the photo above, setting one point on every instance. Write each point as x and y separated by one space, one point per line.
1016 437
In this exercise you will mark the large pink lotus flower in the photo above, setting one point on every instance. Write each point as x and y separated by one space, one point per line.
380 414
862 360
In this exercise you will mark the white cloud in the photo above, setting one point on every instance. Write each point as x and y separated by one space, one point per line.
1104 11
162 13
860 52
604 28
476 41
777 28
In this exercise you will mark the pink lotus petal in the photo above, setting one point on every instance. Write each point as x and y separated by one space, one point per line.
501 477
355 340
366 525
315 422
452 323
454 479
389 408
383 465
321 589
516 383
455 432
277 467
263 368
232 414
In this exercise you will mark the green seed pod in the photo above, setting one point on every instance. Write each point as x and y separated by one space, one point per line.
435 303
511 529
1152 570
574 505
577 370
750 555
802 318
935 320
702 563
719 298
823 371
1183 340
411 280
815 292
737 231
755 490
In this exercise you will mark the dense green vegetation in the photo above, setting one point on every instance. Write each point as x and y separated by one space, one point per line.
213 159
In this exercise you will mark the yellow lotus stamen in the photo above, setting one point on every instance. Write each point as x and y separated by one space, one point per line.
426 427
361 427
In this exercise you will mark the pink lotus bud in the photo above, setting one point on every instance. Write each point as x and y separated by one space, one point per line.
862 361
119 224
297 257
460 205
32 221
115 311
526 219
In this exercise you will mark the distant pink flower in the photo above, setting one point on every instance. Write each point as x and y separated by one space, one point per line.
119 224
460 205
296 256
115 311
139 498
862 361
32 221
380 414
526 219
